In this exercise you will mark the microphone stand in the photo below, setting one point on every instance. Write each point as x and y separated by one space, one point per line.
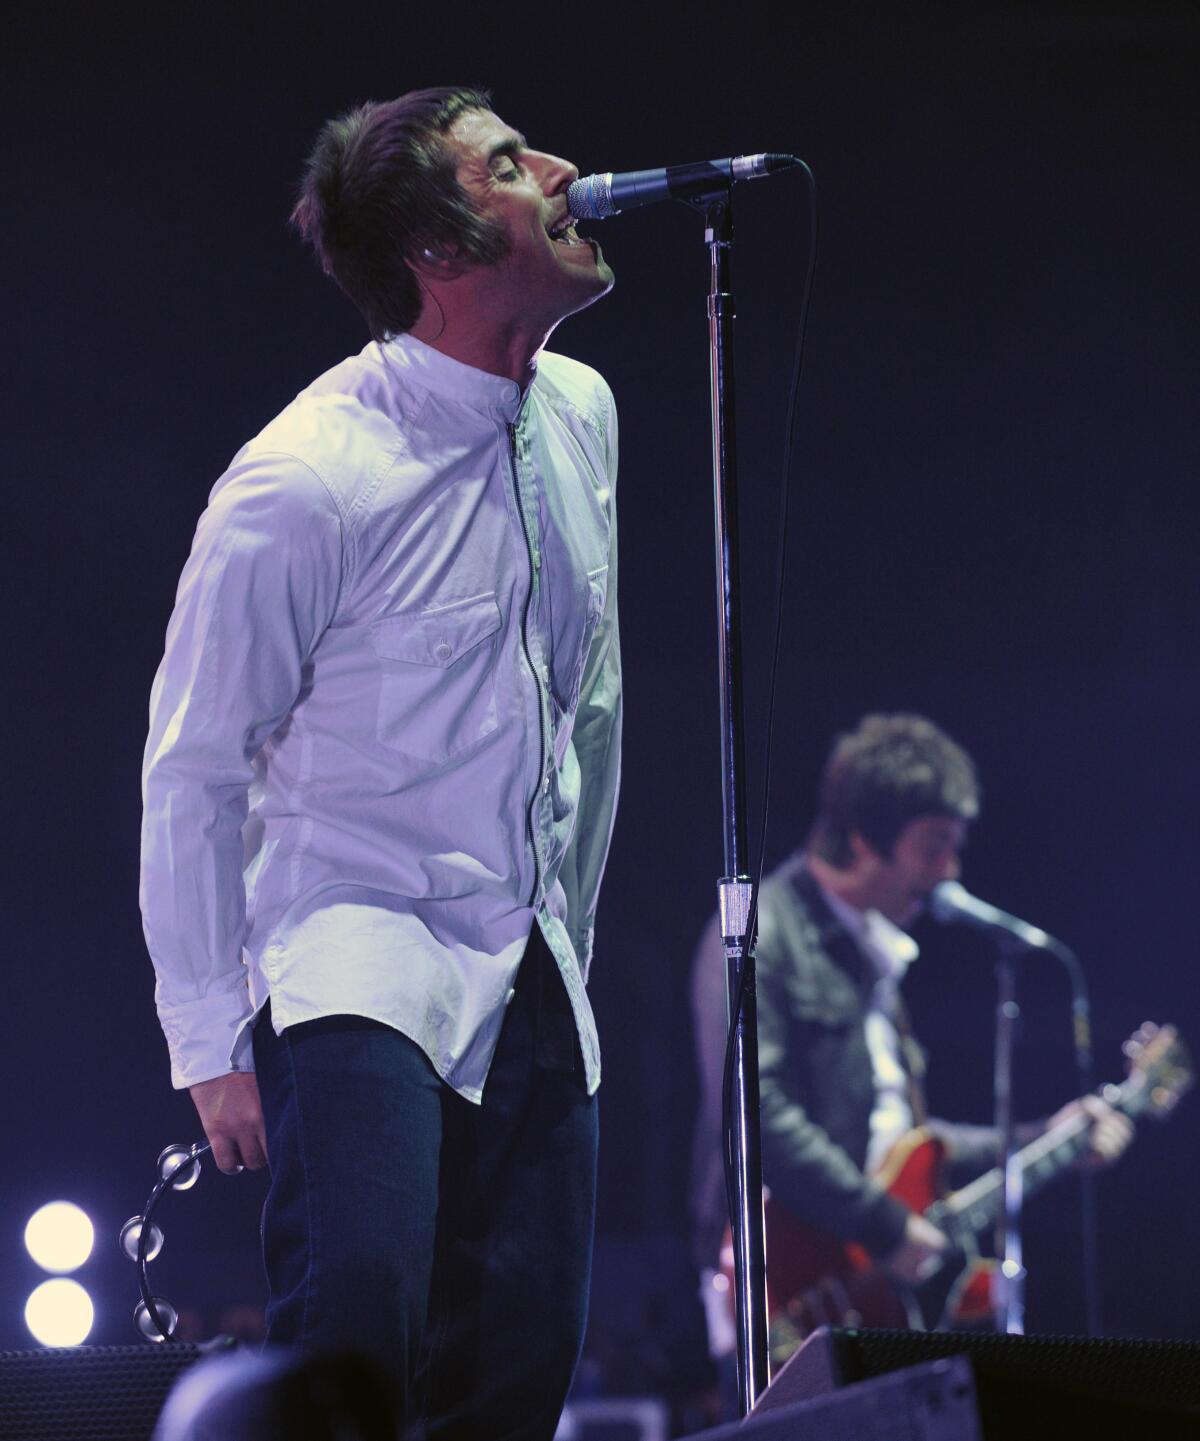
734 889
1081 1025
1008 1301
1009 1298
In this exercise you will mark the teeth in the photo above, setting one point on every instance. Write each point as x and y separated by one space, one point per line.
563 231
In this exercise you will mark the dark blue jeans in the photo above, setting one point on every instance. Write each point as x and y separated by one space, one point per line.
449 1242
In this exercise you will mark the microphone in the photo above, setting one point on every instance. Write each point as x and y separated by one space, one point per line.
950 902
596 197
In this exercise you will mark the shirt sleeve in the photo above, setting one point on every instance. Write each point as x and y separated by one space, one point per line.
259 588
597 741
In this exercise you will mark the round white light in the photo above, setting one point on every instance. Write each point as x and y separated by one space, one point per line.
60 1313
59 1236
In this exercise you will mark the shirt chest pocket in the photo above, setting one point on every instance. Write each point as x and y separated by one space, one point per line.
437 677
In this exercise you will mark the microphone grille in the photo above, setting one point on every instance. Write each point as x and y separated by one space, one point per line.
946 901
591 197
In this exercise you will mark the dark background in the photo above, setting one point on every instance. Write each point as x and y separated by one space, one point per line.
992 524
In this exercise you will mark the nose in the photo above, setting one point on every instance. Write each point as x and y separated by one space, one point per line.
556 173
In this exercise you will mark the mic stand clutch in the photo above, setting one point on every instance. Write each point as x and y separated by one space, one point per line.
734 889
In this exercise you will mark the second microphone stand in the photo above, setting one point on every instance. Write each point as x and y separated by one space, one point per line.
1008 1301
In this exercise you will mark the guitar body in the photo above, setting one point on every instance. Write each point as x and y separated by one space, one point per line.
955 1299
815 1279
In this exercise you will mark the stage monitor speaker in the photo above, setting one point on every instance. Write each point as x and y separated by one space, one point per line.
1027 1386
88 1393
931 1402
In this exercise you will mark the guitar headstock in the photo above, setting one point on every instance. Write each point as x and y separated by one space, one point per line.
1160 1069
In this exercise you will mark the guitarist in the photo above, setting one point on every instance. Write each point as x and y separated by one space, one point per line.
840 1071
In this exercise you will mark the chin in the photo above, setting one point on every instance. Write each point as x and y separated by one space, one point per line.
600 284
600 277
916 910
906 915
604 269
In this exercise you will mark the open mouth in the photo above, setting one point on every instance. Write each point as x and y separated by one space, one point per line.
563 231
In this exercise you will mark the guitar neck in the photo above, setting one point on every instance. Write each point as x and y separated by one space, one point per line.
975 1207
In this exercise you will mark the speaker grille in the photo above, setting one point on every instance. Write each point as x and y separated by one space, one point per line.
1164 1374
87 1393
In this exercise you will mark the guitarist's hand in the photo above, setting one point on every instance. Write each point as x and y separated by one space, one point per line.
1111 1132
920 1252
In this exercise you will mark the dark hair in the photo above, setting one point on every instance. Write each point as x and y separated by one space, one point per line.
888 771
380 186
256 1396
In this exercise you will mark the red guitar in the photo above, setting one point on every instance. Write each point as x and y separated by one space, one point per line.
814 1279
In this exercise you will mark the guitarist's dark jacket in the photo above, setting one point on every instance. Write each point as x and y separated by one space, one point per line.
816 1077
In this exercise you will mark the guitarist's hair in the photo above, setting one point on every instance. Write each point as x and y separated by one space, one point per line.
888 771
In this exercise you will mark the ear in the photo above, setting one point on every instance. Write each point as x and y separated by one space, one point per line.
435 265
862 852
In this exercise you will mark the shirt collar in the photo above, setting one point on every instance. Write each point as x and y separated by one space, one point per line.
446 376
889 949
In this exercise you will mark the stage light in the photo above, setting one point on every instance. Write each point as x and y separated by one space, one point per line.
59 1236
60 1313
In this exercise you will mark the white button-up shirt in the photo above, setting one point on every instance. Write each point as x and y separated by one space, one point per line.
384 737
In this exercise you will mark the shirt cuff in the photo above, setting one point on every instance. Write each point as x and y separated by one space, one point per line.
210 1036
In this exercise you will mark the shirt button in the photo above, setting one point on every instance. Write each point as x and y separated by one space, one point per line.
546 786
443 650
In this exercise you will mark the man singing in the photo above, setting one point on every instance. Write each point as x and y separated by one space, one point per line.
381 778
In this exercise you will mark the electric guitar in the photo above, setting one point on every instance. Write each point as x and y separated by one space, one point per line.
815 1279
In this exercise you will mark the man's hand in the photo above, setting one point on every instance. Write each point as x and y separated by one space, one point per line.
920 1252
1111 1132
232 1117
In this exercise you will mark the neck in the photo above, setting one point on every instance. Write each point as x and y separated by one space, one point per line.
504 346
847 885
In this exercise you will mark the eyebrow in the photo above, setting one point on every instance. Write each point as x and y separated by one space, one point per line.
509 148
